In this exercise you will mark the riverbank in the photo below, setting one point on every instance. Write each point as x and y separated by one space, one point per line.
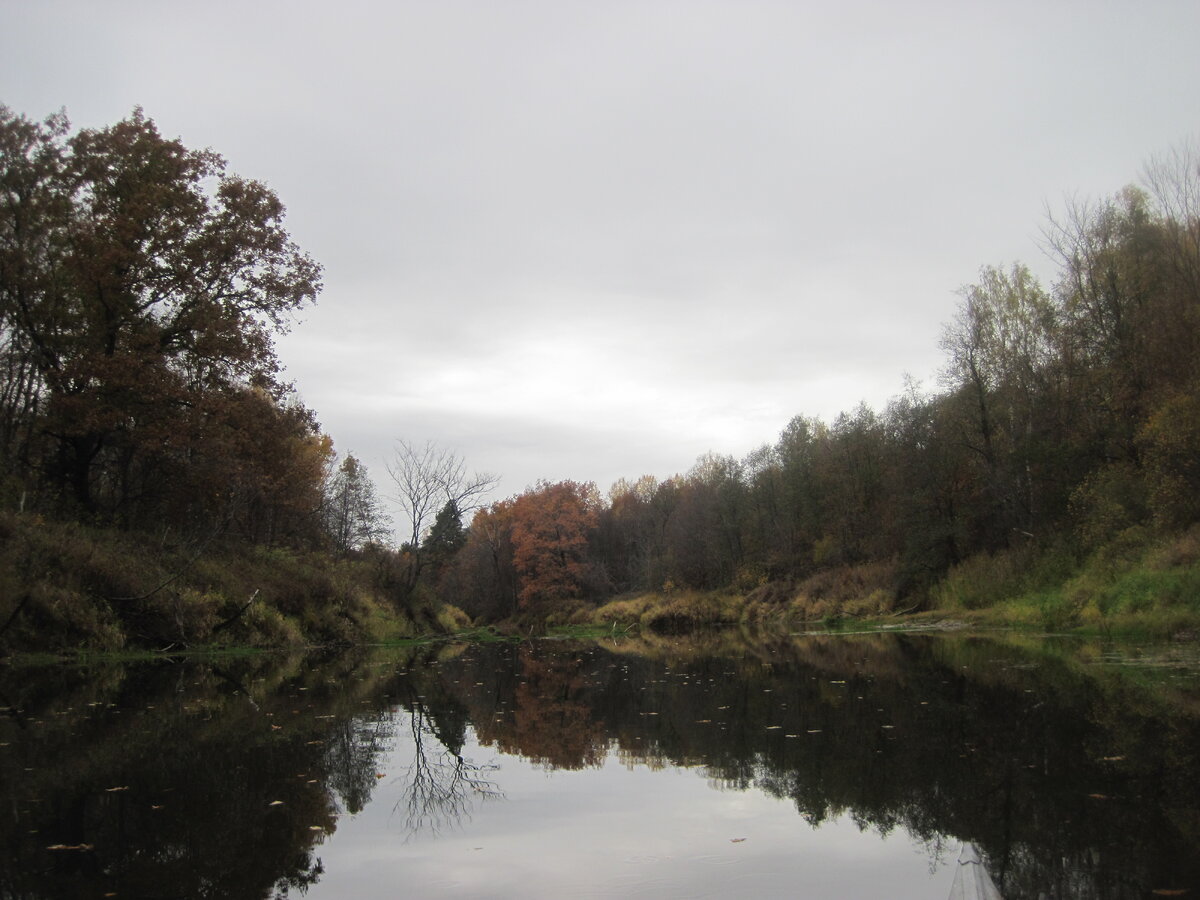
67 587
1140 582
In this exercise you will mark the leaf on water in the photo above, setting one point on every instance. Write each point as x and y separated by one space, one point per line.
1098 796
1111 758
275 803
1169 892
381 775
736 840
316 828
71 847
814 731
114 790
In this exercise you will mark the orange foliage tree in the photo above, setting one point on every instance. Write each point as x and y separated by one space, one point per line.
551 524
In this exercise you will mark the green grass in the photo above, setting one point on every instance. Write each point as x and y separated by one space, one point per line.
1137 583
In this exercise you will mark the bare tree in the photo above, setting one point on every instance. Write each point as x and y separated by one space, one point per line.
427 478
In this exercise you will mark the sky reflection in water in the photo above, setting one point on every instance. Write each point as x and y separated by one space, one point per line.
618 831
707 766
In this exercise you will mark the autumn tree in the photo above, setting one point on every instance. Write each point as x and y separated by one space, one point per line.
141 286
631 534
551 527
482 579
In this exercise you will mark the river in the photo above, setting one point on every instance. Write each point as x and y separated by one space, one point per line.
711 765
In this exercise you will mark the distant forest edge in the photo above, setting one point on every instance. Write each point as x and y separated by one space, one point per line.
162 486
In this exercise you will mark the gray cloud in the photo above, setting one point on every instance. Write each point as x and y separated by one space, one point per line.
596 239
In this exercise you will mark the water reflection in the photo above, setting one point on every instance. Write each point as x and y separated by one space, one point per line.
1072 769
441 785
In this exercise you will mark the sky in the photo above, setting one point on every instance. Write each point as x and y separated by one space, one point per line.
594 240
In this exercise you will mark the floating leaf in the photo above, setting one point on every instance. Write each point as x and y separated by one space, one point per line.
275 803
736 840
114 790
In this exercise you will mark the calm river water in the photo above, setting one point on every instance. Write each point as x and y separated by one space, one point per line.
702 766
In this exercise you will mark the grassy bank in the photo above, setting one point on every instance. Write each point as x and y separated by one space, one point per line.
68 587
1138 583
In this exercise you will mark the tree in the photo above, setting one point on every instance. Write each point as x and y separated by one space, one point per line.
483 576
141 287
1001 346
551 527
427 479
353 514
445 538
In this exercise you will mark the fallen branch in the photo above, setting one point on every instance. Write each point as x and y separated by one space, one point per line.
236 615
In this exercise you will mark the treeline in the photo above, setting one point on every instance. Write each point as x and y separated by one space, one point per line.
1068 414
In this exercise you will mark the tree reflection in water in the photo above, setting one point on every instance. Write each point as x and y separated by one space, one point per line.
441 786
1075 779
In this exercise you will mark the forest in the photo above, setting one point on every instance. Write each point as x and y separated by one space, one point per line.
162 483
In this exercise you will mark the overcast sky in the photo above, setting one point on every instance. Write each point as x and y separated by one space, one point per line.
596 239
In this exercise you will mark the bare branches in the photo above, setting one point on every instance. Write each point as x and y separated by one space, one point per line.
442 785
430 476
